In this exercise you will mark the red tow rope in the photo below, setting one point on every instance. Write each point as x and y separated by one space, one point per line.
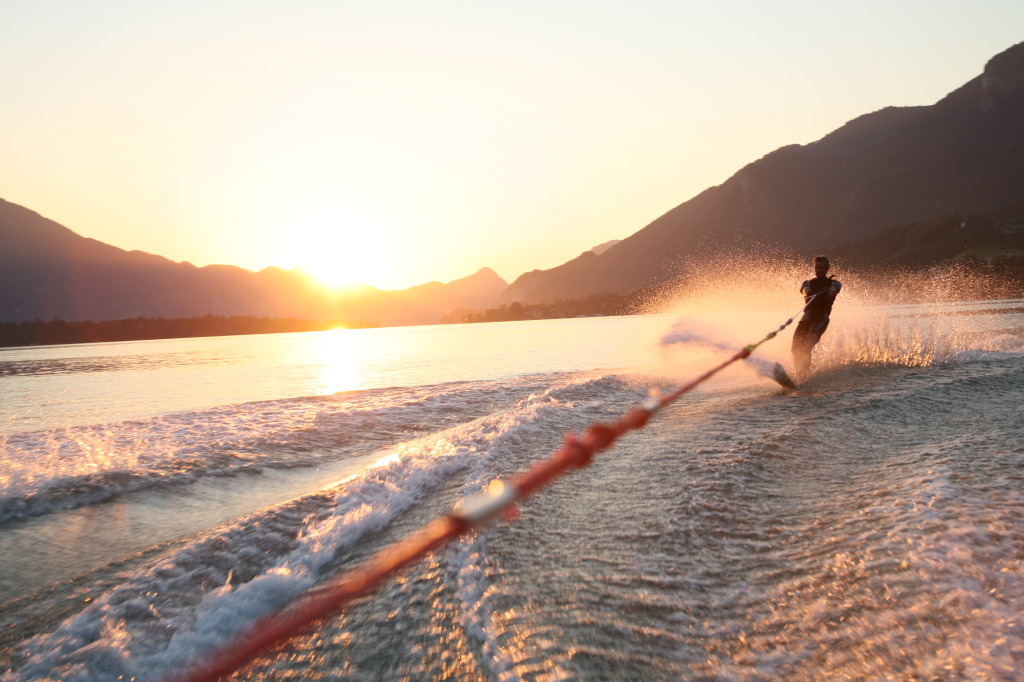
320 602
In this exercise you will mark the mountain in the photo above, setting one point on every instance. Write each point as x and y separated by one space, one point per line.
601 248
47 271
479 290
521 290
973 238
900 165
902 185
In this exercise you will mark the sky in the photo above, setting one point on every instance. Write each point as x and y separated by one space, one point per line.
397 142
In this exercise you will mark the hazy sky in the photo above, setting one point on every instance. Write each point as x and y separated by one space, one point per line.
398 142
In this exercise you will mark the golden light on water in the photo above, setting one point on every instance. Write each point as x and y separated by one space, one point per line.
386 460
340 365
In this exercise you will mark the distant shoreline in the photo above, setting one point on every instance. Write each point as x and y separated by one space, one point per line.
61 332
945 282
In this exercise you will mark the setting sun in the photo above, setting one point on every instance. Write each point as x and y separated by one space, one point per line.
338 248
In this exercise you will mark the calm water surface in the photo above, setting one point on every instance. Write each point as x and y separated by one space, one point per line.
89 383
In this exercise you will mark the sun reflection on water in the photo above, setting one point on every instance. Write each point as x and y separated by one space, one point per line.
340 368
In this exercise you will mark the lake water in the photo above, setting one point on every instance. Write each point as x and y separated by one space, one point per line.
156 498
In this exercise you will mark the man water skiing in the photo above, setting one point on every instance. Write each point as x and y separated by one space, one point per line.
819 295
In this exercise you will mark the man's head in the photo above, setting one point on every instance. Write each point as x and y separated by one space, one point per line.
821 266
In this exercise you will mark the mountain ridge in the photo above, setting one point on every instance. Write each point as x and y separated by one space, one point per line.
876 183
49 271
963 154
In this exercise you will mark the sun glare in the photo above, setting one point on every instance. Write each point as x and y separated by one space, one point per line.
339 249
339 273
340 370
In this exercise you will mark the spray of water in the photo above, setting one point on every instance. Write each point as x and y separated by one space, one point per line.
909 319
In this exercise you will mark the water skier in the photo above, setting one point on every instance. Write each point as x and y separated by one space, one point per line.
819 295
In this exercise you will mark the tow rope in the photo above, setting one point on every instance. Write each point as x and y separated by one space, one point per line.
499 497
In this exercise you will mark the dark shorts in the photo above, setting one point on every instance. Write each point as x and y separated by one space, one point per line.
808 333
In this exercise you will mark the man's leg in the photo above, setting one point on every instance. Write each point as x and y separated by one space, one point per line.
804 340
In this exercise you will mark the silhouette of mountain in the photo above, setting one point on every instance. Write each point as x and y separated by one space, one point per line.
886 180
975 239
962 155
601 248
47 271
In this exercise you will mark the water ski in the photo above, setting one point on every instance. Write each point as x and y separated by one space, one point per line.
779 374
